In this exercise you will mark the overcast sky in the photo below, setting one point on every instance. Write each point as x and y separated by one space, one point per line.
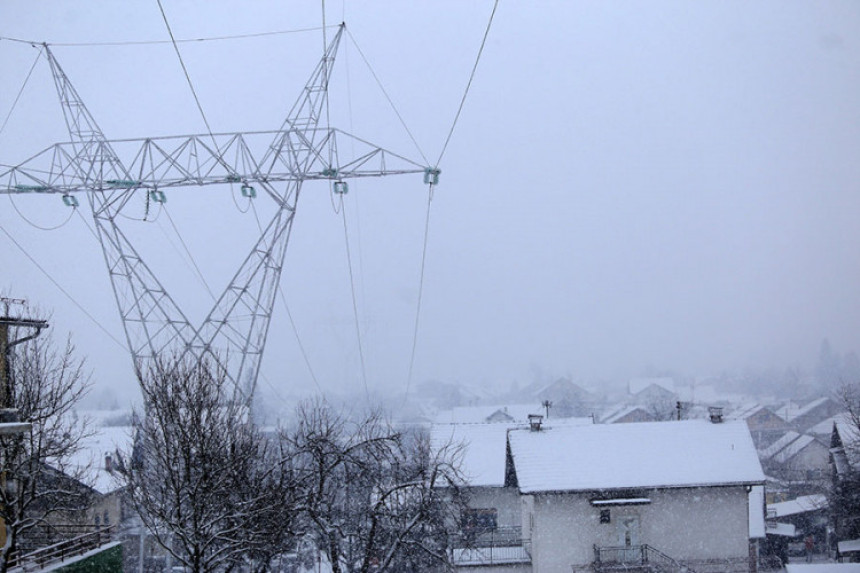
630 185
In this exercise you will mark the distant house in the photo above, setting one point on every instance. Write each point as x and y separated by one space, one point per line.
637 385
625 494
808 514
813 413
502 413
655 394
765 425
567 398
796 457
626 414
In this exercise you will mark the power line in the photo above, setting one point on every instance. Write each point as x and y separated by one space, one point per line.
430 200
387 97
469 83
155 42
21 91
354 303
62 290
187 76
190 256
420 294
37 226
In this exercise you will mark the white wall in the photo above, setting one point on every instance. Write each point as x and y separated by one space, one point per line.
684 523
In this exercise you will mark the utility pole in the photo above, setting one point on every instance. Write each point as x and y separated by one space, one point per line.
9 421
7 321
547 404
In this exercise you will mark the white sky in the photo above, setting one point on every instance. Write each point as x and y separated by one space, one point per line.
630 184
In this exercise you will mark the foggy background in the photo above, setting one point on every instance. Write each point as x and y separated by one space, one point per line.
631 189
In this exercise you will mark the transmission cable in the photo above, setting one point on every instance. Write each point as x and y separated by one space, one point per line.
430 200
354 303
469 84
387 97
62 290
190 83
87 225
420 293
35 225
155 42
21 91
190 256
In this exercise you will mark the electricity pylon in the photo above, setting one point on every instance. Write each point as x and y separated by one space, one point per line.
234 332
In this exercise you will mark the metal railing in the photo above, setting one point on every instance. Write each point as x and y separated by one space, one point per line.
489 546
63 550
636 556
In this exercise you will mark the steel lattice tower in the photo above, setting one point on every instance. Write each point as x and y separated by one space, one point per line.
278 162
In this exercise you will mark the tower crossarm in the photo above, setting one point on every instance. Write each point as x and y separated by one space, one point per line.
193 161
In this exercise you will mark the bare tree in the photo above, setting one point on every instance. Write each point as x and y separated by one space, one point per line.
203 479
375 499
845 452
41 486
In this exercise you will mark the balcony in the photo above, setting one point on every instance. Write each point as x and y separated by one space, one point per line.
496 546
646 559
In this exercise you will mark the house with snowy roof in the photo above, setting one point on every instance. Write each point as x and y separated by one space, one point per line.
653 392
489 530
807 513
567 399
845 461
624 414
814 412
765 425
500 413
796 457
632 494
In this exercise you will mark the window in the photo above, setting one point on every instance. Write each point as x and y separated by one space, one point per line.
480 519
605 516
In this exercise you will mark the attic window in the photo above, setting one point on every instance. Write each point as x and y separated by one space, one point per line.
605 516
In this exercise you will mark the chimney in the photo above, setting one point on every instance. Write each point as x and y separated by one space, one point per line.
108 463
535 422
716 414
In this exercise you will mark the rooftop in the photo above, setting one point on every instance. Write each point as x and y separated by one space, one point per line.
651 454
800 505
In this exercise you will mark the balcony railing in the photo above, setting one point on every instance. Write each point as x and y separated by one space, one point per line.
63 550
629 556
645 557
492 546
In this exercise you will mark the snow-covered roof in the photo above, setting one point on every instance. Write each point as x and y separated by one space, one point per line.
822 567
483 462
619 412
756 512
800 505
649 454
636 385
792 449
777 446
480 414
781 529
807 408
743 411
849 546
825 427
91 457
